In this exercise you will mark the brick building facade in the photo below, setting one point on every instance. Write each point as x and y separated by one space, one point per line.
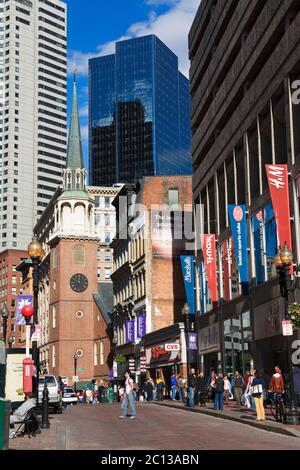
147 277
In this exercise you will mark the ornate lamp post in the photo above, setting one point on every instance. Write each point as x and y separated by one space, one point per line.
10 342
75 357
5 314
283 261
36 253
186 313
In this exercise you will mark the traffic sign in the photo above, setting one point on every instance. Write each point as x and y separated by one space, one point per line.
37 333
287 328
75 379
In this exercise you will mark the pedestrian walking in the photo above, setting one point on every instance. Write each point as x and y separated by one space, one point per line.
277 383
129 398
191 388
95 392
201 389
88 396
173 383
62 390
227 390
211 386
258 384
101 391
219 393
181 384
238 387
248 389
160 386
148 387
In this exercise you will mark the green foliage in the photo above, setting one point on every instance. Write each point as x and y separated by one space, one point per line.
120 359
294 315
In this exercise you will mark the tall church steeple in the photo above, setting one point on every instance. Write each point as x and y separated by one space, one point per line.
75 174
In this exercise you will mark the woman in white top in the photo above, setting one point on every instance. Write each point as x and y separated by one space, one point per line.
227 389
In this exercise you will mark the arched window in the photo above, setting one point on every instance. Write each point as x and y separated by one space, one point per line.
53 317
101 353
78 255
95 355
69 181
53 355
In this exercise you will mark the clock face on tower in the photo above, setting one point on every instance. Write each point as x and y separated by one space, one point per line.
79 282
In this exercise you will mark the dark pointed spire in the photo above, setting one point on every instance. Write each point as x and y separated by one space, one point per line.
74 151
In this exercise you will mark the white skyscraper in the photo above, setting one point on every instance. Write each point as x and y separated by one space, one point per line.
33 113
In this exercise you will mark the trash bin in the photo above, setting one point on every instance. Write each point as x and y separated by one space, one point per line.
4 423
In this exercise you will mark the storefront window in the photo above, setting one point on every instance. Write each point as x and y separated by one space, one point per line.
265 243
238 344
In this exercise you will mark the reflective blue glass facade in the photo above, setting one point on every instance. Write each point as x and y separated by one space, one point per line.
139 113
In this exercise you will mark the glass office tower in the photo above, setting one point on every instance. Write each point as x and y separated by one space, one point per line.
139 120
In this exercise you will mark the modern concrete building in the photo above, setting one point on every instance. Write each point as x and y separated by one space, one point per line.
33 73
245 60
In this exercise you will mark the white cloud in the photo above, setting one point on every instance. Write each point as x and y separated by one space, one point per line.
84 111
84 133
171 27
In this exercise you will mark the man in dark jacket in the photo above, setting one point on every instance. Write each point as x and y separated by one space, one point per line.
219 393
192 388
201 389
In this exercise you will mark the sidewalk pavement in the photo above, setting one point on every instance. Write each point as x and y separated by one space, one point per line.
238 414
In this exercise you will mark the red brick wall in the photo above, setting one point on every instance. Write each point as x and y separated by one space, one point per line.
73 333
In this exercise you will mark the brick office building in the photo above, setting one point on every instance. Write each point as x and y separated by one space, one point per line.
147 278
10 287
245 58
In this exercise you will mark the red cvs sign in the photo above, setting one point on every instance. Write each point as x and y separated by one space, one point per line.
209 252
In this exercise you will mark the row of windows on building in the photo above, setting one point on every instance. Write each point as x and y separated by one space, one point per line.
99 358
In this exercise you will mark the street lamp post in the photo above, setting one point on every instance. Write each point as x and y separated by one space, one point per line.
35 252
186 313
4 313
283 262
75 357
10 342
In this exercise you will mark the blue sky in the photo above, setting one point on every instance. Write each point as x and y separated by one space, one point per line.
95 25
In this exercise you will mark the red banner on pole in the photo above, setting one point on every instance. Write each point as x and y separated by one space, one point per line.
279 188
209 252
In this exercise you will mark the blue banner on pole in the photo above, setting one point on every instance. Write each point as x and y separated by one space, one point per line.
141 326
130 331
238 223
187 265
192 341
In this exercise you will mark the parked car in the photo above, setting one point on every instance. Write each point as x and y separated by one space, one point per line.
55 398
69 396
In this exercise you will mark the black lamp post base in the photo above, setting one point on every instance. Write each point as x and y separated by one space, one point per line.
293 417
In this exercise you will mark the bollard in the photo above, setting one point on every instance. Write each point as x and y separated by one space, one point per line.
45 408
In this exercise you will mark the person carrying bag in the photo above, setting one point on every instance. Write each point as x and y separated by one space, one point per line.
256 391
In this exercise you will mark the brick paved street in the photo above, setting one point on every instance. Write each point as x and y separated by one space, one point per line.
156 428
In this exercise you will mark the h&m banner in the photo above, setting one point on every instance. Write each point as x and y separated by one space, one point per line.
21 301
141 326
238 224
210 261
279 189
130 337
187 265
